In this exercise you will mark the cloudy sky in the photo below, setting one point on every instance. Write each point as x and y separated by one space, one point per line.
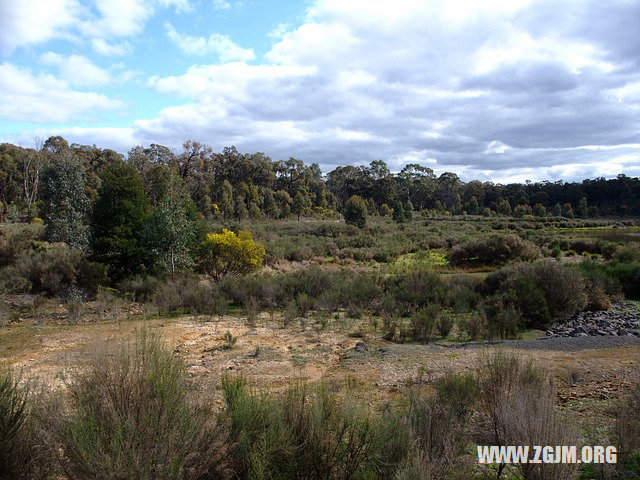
501 90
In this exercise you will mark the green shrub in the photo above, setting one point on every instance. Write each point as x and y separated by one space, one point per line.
517 404
462 293
360 290
130 416
424 322
58 268
22 454
19 239
445 323
308 433
140 288
493 250
438 425
355 211
626 432
118 219
188 294
12 281
417 289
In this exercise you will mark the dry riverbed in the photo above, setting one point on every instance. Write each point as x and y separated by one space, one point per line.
589 379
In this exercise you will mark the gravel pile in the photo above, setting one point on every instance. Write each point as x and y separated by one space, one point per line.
622 320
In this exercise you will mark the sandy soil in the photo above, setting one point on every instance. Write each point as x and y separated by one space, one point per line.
272 357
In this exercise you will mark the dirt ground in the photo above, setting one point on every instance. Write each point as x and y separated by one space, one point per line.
272 357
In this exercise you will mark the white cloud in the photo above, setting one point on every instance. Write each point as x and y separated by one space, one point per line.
217 44
45 98
30 22
117 18
221 4
496 89
434 81
103 47
79 71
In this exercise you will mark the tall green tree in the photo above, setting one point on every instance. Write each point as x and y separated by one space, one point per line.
583 208
355 211
173 229
65 205
398 212
300 202
408 211
227 205
118 220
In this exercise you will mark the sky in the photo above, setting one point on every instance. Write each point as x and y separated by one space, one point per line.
494 90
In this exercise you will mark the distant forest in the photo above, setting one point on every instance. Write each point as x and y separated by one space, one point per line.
234 185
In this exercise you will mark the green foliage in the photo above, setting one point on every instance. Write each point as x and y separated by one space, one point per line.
517 404
536 294
424 323
408 210
398 213
22 455
65 205
626 432
355 212
493 250
309 434
130 416
173 231
119 216
58 269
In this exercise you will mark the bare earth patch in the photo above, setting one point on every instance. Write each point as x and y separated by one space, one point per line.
273 357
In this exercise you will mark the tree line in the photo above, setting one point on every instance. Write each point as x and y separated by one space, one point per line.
233 185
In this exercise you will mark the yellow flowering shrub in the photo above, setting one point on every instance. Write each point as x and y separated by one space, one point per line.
227 253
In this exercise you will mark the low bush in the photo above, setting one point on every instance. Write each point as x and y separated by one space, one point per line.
438 425
18 239
22 453
493 250
12 281
189 294
424 323
308 433
130 416
540 292
517 401
626 432
417 289
58 268
445 323
139 288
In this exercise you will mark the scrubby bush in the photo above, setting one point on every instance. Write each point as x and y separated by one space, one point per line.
309 434
540 293
417 289
424 323
517 401
439 428
626 431
493 250
462 293
58 268
22 454
445 323
188 294
131 416
140 288
17 239
12 281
